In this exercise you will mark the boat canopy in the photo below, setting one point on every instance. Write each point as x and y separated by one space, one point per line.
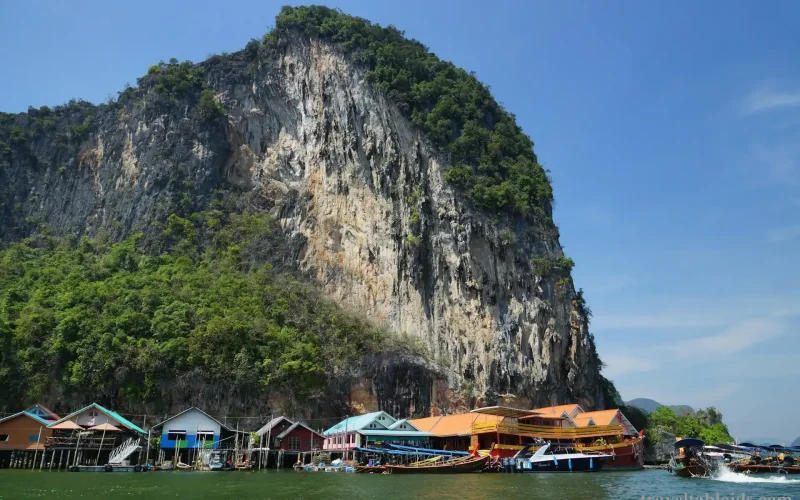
689 443
749 445
505 411
730 447
426 450
396 452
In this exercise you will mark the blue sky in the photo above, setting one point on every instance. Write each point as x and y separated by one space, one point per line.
670 129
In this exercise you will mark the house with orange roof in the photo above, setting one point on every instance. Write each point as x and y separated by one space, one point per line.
606 417
559 416
453 432
26 430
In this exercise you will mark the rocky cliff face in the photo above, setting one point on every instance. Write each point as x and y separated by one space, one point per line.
360 192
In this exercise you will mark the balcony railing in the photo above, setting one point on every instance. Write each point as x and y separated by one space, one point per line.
547 432
85 443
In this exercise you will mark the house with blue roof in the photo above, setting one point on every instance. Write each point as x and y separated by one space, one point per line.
26 430
373 430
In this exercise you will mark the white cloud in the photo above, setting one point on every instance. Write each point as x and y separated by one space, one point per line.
734 339
766 99
655 321
623 364
665 312
780 162
783 234
710 396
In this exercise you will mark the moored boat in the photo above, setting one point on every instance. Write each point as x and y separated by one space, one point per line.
454 466
764 469
370 469
555 459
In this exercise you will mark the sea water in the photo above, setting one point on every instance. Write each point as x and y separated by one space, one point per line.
321 485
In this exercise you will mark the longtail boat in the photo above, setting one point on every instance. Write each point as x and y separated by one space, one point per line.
455 466
688 459
764 469
370 469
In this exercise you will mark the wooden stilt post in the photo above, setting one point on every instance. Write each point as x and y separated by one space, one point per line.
269 440
38 440
147 456
100 449
77 442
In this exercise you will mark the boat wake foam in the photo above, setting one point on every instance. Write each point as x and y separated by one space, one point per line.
728 476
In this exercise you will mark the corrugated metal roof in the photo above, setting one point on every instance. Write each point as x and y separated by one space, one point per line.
116 416
44 410
294 426
271 425
29 415
358 422
505 411
557 411
601 417
124 421
453 425
190 409
401 422
381 432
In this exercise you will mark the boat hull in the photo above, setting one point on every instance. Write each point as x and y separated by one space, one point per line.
583 464
764 469
476 464
628 457
691 470
370 469
105 468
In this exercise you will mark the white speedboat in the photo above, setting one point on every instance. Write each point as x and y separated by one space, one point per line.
550 458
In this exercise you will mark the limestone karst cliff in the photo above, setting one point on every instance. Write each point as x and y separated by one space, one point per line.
297 127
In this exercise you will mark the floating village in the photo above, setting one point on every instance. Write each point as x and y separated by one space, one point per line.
561 438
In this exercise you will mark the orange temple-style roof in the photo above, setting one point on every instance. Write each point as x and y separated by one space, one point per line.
602 417
557 411
453 425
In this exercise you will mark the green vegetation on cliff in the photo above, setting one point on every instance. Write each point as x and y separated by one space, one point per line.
125 321
493 160
704 424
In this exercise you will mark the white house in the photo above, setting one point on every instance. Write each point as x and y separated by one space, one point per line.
94 415
192 428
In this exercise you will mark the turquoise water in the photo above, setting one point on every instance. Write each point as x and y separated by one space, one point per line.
321 485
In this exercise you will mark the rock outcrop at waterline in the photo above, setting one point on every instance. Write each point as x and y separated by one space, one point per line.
360 194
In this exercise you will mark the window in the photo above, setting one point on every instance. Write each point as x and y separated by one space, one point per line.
33 438
176 435
93 413
3 438
294 443
314 444
204 436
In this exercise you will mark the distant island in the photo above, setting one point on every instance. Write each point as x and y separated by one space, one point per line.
650 406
